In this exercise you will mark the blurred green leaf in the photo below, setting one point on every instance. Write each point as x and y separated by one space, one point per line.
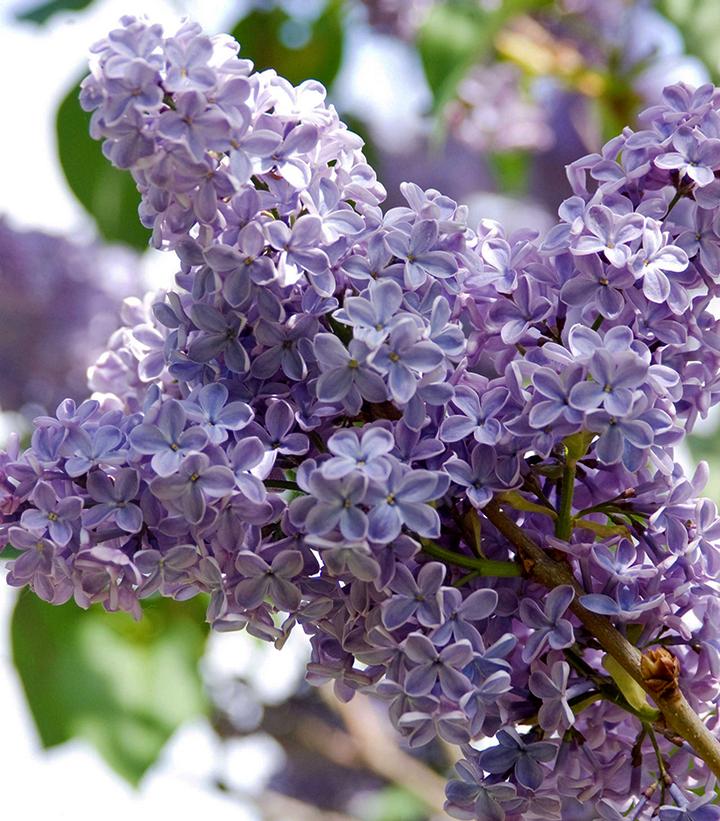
699 24
296 49
9 552
510 170
123 685
42 13
459 33
393 804
707 448
108 194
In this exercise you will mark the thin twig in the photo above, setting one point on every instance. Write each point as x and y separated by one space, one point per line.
276 806
379 751
485 567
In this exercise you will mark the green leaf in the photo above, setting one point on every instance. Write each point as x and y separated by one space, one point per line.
9 552
125 686
42 13
633 692
298 50
393 804
108 194
699 24
459 33
511 170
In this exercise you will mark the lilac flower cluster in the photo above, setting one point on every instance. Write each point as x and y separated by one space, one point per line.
311 427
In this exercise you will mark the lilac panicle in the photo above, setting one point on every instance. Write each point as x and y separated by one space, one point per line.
310 426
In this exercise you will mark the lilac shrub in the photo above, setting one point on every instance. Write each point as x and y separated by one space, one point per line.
314 427
52 290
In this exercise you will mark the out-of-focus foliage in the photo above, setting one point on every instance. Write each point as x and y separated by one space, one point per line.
298 49
393 804
706 447
123 685
42 12
699 24
457 34
109 195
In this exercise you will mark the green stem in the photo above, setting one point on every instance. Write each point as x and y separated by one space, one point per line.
679 194
585 702
599 319
468 577
485 567
563 525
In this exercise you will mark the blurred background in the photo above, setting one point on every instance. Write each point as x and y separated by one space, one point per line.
486 100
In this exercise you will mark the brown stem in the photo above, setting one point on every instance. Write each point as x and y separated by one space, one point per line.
657 675
379 751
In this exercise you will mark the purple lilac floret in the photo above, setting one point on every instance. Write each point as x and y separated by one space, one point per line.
310 427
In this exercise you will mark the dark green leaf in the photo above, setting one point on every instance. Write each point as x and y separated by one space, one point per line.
458 34
699 24
42 13
9 552
108 194
123 685
296 50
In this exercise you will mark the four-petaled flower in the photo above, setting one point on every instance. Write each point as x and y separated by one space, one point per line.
549 626
51 514
514 754
196 480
